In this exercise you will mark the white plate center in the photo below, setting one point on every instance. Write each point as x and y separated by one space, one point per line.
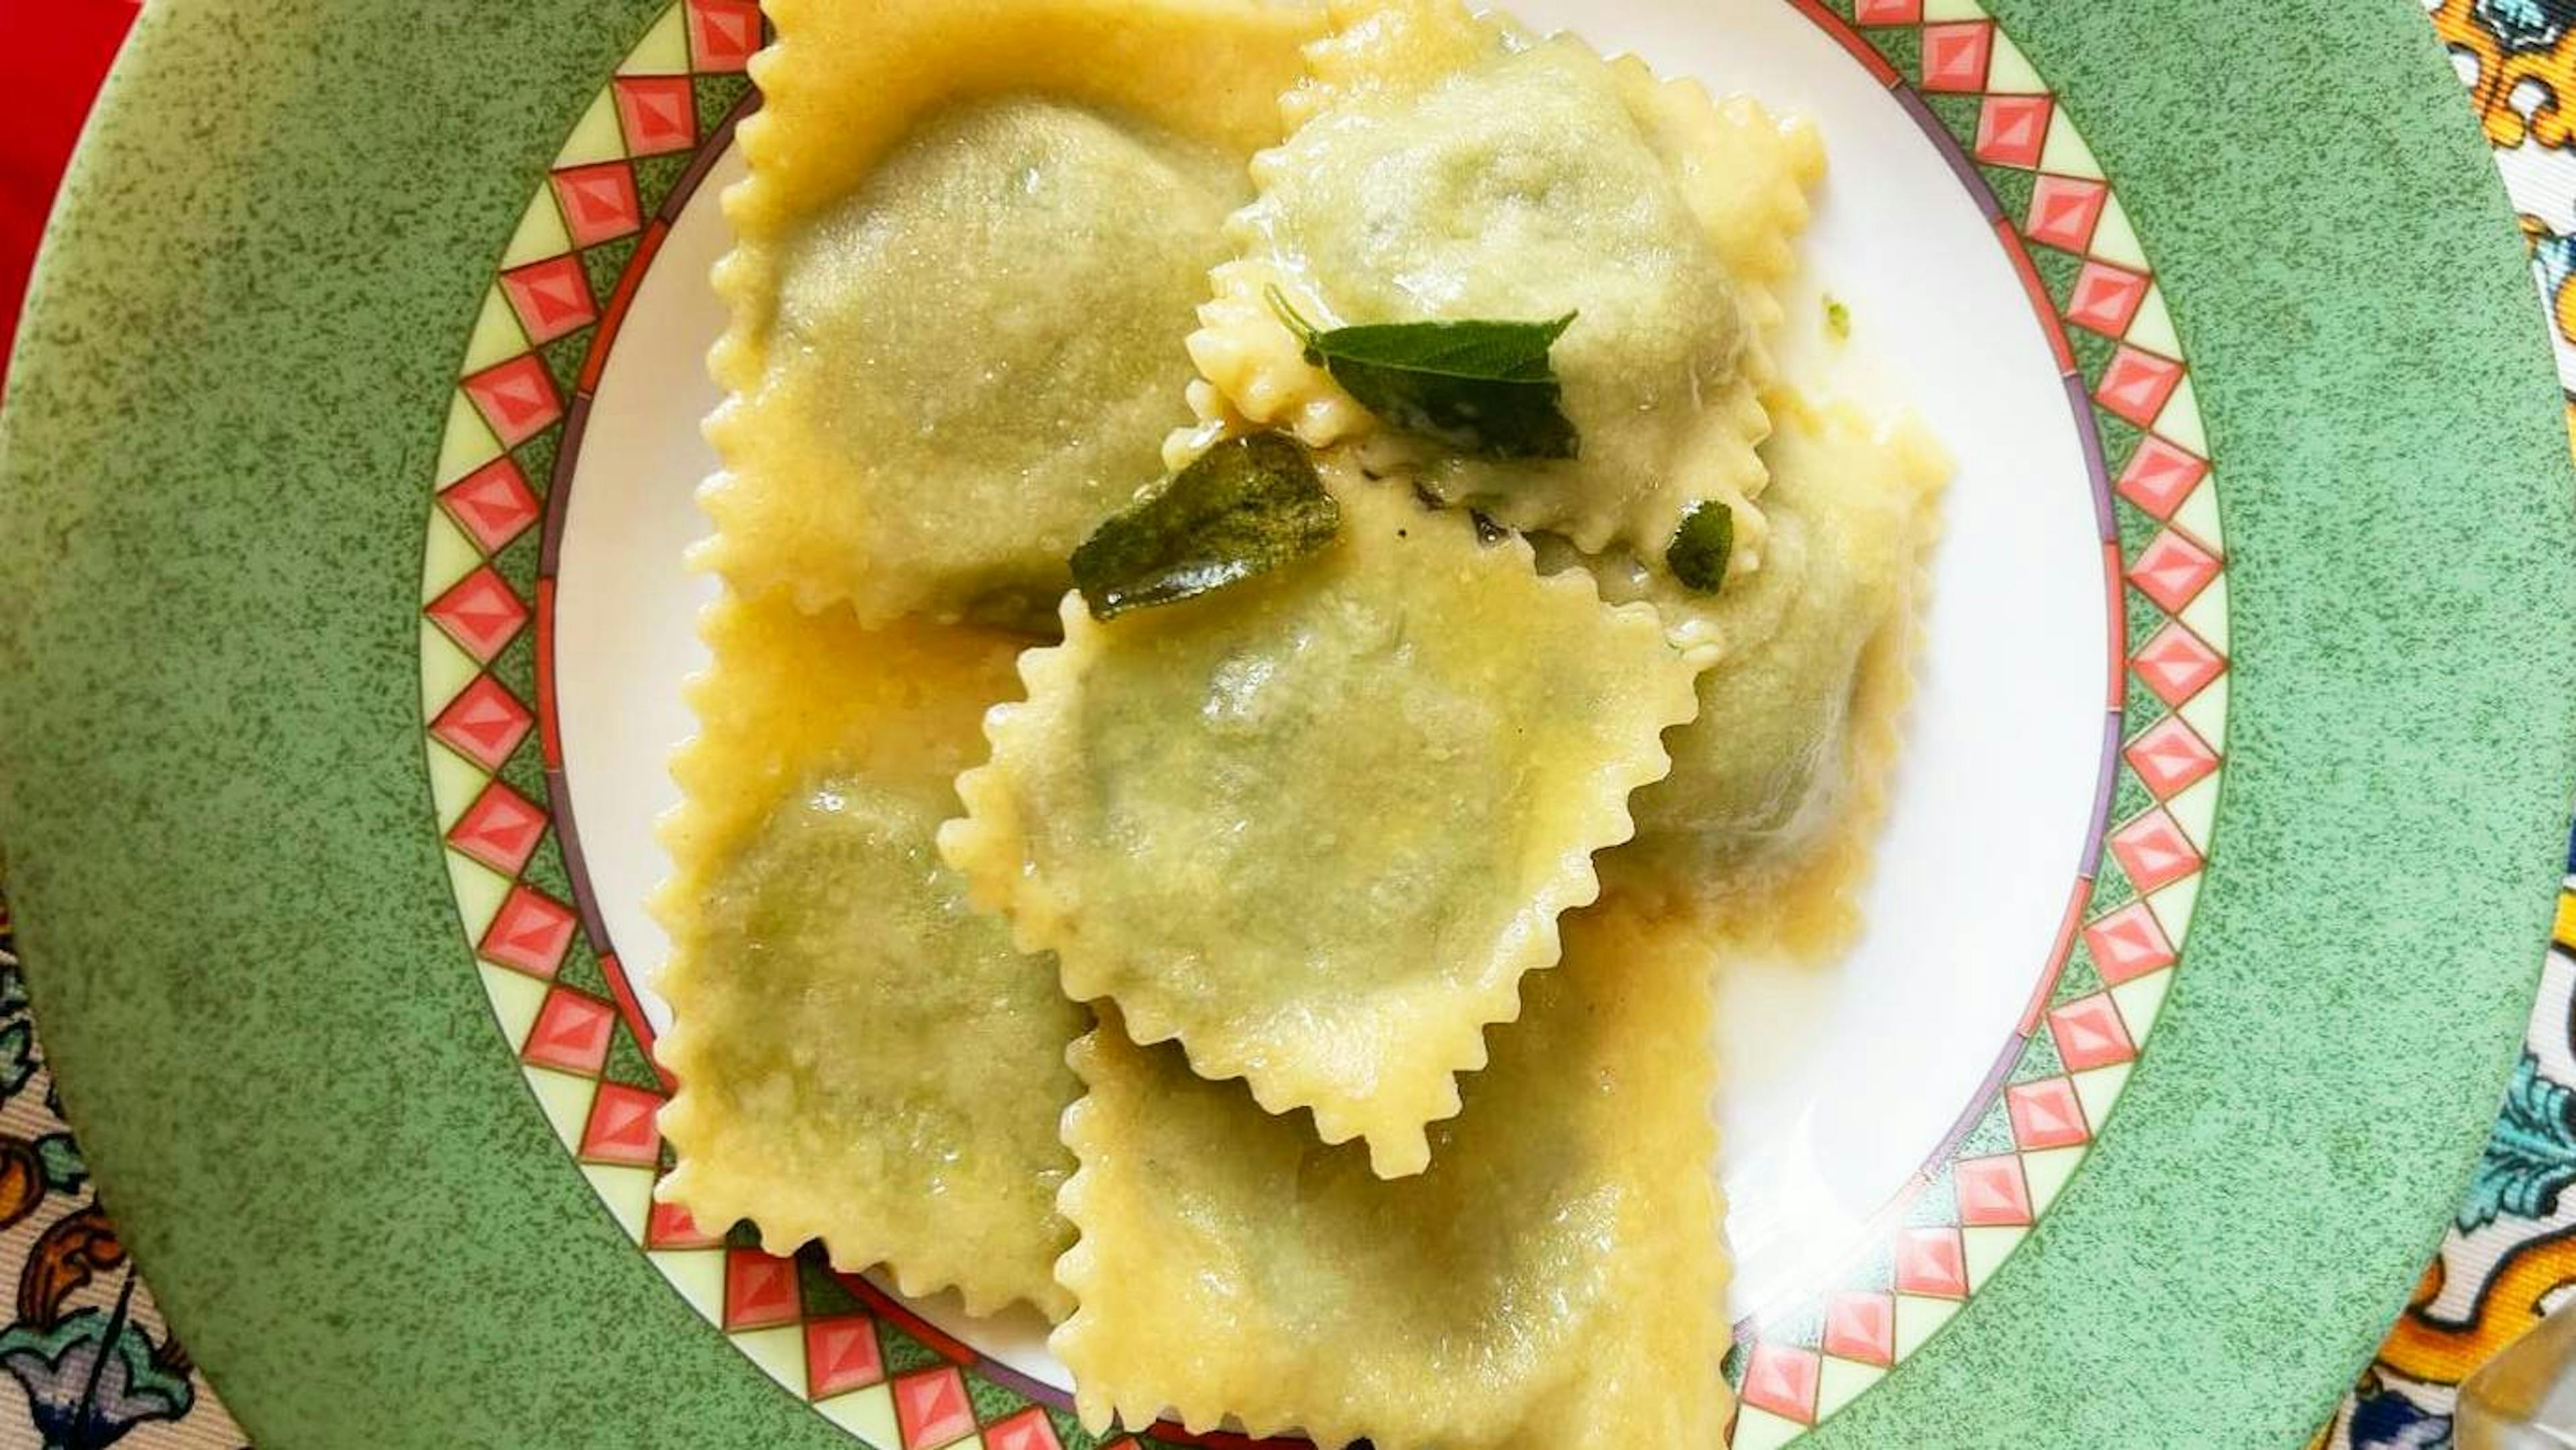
1840 1080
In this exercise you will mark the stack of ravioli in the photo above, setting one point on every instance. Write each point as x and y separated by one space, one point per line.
1299 992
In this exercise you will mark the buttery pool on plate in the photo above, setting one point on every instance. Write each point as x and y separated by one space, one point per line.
1282 619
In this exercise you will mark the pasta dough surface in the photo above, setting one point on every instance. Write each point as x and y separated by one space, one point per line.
861 1057
969 246
1777 786
1324 829
1447 167
1317 825
1555 1279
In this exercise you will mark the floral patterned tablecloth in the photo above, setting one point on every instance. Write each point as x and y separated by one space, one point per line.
89 1362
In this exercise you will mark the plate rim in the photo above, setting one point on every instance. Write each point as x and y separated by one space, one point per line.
78 970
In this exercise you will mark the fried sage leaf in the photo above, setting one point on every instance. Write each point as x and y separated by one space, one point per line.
1700 548
1246 506
1478 385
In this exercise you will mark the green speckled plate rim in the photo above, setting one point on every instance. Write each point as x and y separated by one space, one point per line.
224 409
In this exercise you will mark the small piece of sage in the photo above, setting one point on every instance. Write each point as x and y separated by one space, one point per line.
1246 506
1481 386
1698 553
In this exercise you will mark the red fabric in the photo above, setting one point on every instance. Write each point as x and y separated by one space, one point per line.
53 54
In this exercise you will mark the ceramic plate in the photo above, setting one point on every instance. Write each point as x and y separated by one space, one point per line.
349 464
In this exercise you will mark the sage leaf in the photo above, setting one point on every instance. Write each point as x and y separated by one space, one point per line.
1700 547
1244 507
1481 386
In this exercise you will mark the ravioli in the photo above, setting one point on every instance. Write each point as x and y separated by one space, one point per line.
1317 825
970 244
861 1057
1326 827
1555 1279
1446 167
1777 786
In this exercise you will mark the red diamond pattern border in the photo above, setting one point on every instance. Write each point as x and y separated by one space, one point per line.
2122 941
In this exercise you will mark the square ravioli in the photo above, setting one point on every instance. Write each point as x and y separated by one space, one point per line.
1316 826
862 1059
1554 1280
1446 167
969 245
1777 787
